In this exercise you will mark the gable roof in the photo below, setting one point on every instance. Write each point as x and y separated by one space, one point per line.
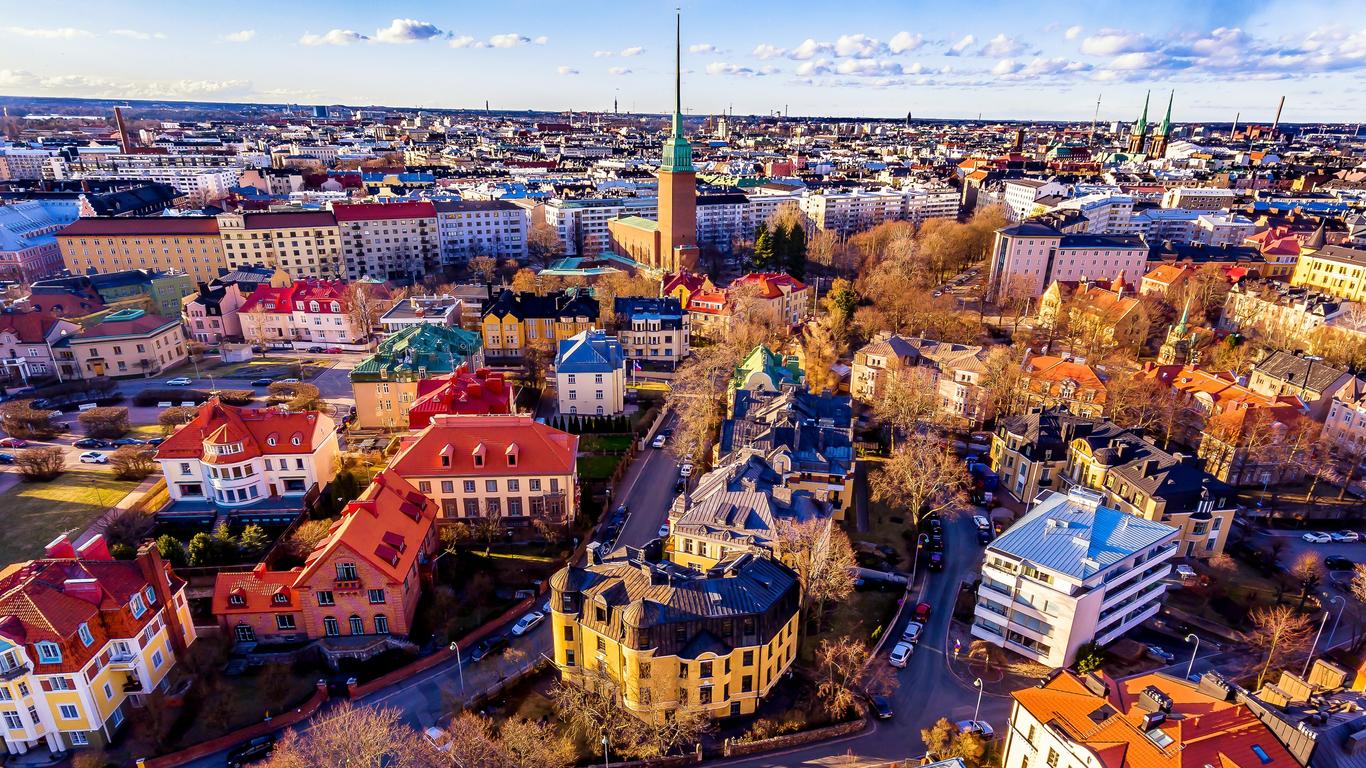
263 431
540 449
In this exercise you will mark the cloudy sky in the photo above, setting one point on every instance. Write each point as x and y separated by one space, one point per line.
1039 59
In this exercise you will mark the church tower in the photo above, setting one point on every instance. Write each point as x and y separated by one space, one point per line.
1176 349
1158 148
677 183
1138 134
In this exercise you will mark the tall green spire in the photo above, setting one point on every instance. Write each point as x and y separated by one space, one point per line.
1185 312
1166 127
1141 124
677 150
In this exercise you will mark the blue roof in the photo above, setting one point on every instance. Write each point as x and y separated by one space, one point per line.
590 351
1074 535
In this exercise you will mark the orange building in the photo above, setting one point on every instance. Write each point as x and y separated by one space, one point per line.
364 579
1058 382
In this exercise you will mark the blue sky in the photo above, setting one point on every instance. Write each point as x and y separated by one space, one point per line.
1047 60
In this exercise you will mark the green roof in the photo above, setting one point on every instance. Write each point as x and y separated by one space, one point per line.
649 225
418 351
766 361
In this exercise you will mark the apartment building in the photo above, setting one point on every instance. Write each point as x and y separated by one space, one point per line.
590 375
84 639
655 333
1021 195
28 241
723 219
128 342
582 224
26 340
671 638
445 311
363 579
469 228
1335 270
954 370
1199 198
764 370
387 241
212 313
1029 451
777 293
516 322
23 163
1276 311
847 213
1027 257
188 244
306 244
1153 720
201 186
1070 572
1050 381
504 467
305 313
386 384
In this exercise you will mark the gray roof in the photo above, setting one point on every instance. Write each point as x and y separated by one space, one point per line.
1074 535
741 502
1292 369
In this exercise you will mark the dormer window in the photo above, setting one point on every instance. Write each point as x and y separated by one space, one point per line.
272 440
49 652
137 606
296 440
83 632
478 454
312 306
511 454
279 598
237 600
336 307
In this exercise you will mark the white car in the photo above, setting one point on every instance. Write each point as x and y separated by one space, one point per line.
527 623
94 457
981 522
179 381
979 726
288 381
901 654
439 739
1345 536
658 442
1314 537
685 469
912 633
663 531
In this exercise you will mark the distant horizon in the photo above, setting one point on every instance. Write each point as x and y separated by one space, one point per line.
1048 60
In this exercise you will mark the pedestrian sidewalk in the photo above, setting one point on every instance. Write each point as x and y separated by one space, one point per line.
126 503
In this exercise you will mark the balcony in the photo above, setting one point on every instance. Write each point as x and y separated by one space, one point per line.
132 685
11 673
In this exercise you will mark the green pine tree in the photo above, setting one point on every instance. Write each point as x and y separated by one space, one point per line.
781 241
795 260
763 249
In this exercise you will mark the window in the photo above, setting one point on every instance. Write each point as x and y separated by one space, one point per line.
49 653
490 486
381 625
325 598
513 485
346 572
746 683
568 633
284 621
138 606
279 598
704 695
357 625
644 670
448 486
377 596
569 658
84 633
79 739
1052 759
330 626
13 721
157 658
515 506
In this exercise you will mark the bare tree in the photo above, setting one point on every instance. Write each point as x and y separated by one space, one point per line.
944 740
1279 631
823 559
908 400
923 477
484 266
1307 571
109 422
175 417
543 244
44 462
351 735
133 462
820 350
364 308
470 740
488 526
843 674
530 744
524 281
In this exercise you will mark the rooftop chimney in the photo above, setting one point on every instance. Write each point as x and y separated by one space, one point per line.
59 548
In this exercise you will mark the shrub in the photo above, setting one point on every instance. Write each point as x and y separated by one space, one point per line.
42 463
21 419
172 550
150 397
1090 657
176 416
108 423
122 552
133 462
129 527
296 396
236 396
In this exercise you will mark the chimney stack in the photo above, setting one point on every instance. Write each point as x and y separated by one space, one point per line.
125 145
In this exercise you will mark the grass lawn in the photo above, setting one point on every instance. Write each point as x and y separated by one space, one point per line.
35 513
597 467
858 617
270 368
604 443
145 431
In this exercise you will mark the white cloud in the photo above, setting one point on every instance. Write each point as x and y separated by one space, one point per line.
618 71
55 33
134 34
540 40
814 67
1108 42
703 48
567 71
17 78
244 36
508 40
1136 60
858 46
409 31
903 42
101 87
1002 45
465 41
868 67
809 49
766 51
333 37
724 68
958 48
602 54
634 50
1073 32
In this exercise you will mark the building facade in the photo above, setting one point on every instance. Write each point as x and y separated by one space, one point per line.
590 375
306 244
386 384
128 342
656 333
516 322
188 244
389 240
469 228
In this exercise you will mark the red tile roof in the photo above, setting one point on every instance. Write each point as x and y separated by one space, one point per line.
417 209
297 296
28 327
540 450
162 226
263 431
459 392
770 284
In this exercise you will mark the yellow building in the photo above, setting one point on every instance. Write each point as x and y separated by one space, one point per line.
516 322
302 243
82 638
102 245
128 342
672 638
1335 270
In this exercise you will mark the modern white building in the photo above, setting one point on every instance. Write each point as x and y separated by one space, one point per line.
1029 256
1106 213
200 185
1069 572
18 163
1019 195
590 375
470 228
388 240
1223 228
582 224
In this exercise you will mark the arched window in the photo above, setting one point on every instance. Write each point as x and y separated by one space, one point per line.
330 626
357 625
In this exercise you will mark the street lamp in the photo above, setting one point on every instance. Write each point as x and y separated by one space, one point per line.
915 559
977 709
605 762
1315 646
459 665
1191 665
1333 632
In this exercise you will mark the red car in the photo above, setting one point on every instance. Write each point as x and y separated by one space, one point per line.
922 612
333 350
13 442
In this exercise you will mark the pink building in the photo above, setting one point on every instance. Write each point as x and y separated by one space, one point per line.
212 315
308 313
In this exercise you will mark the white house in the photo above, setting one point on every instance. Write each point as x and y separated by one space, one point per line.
590 375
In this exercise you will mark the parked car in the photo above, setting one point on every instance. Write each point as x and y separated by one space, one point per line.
333 350
936 561
179 381
685 469
488 647
912 633
527 623
290 380
158 440
1338 563
984 536
128 441
94 457
922 612
13 442
251 751
663 531
1345 536
91 442
438 738
881 706
6 458
976 726
315 350
658 442
901 654
981 522
1315 537
1160 653
261 382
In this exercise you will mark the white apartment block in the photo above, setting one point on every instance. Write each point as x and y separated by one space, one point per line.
388 240
1106 214
21 163
302 243
1019 195
200 184
932 202
1069 572
469 228
1223 228
847 213
582 224
1027 257
723 219
1198 198
1160 224
325 153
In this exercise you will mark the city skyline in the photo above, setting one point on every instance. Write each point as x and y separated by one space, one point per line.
875 60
